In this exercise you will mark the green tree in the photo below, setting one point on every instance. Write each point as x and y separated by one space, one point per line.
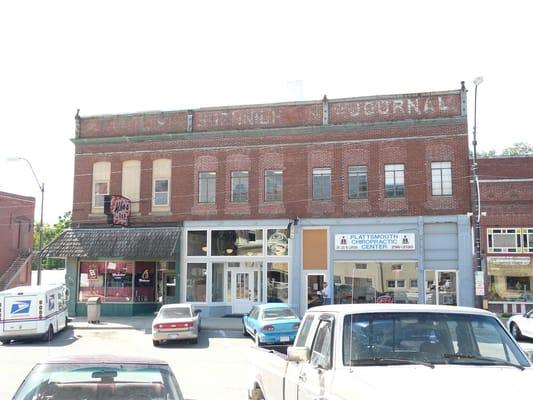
50 232
518 149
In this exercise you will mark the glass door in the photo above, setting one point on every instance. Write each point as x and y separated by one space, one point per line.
315 285
247 287
441 287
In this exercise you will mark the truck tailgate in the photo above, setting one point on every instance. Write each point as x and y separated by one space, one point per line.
270 368
19 313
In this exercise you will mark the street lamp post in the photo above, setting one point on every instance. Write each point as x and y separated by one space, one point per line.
477 204
41 188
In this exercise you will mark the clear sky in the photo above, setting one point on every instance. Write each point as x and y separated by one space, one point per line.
107 57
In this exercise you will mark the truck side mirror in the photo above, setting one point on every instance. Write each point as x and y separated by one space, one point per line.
298 354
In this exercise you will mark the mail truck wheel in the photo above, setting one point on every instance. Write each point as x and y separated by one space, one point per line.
257 394
49 335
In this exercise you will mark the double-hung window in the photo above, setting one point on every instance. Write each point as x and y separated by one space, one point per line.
162 170
239 186
101 179
273 185
441 178
207 187
321 183
357 182
394 180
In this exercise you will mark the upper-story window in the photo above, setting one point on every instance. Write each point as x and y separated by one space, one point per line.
394 180
441 178
161 184
273 185
207 183
101 181
239 186
321 183
131 182
504 240
358 182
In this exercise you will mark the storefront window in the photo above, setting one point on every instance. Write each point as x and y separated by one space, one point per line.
237 243
217 282
277 283
445 291
277 242
375 282
144 281
196 282
92 276
118 282
197 243
510 279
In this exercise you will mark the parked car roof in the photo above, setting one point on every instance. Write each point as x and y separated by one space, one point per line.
388 307
102 359
273 305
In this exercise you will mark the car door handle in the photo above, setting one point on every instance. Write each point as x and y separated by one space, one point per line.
303 377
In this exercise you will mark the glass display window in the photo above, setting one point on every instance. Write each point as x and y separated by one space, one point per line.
145 279
196 282
119 282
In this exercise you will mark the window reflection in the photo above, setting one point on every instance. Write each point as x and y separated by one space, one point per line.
237 243
375 282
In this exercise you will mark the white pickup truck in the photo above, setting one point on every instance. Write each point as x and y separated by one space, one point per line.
396 351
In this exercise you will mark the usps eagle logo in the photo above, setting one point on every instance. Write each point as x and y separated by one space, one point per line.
21 307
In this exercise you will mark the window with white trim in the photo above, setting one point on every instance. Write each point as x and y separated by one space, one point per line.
207 187
504 240
394 180
101 181
321 183
358 182
273 185
162 170
239 186
441 178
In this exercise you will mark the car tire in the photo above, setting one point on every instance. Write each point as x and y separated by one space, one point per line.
5 341
515 331
156 343
257 340
49 334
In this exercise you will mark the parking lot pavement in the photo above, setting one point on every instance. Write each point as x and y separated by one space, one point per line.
217 367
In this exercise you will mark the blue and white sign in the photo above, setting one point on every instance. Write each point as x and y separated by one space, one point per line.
21 307
375 241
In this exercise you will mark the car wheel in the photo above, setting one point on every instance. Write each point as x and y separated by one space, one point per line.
5 341
194 341
156 343
49 334
257 340
515 331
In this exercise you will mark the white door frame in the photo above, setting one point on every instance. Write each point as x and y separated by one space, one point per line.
239 306
306 273
435 273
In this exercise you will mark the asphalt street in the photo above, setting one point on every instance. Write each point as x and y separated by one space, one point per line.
217 367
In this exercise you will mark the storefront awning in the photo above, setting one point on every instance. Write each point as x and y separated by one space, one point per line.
126 243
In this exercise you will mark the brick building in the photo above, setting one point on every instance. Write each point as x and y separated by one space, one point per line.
233 206
506 188
16 239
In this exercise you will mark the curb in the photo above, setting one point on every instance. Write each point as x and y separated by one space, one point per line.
122 327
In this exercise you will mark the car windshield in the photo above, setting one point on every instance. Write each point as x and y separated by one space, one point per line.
99 381
281 312
436 338
175 312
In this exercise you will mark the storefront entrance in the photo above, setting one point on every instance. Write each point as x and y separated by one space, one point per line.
441 287
247 289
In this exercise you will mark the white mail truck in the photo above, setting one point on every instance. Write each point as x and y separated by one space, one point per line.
30 312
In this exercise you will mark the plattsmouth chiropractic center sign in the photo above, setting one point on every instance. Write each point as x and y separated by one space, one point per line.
375 241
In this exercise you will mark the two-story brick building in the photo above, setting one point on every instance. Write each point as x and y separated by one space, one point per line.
16 239
506 188
233 206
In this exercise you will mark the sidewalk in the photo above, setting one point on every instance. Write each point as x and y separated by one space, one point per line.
144 322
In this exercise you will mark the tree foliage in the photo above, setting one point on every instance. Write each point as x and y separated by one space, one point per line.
517 149
50 232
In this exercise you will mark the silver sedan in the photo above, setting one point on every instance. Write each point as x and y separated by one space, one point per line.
176 322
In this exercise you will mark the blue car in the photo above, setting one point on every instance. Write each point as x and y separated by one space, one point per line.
271 323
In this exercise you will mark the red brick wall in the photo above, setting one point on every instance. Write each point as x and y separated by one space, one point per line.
507 204
16 227
361 134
